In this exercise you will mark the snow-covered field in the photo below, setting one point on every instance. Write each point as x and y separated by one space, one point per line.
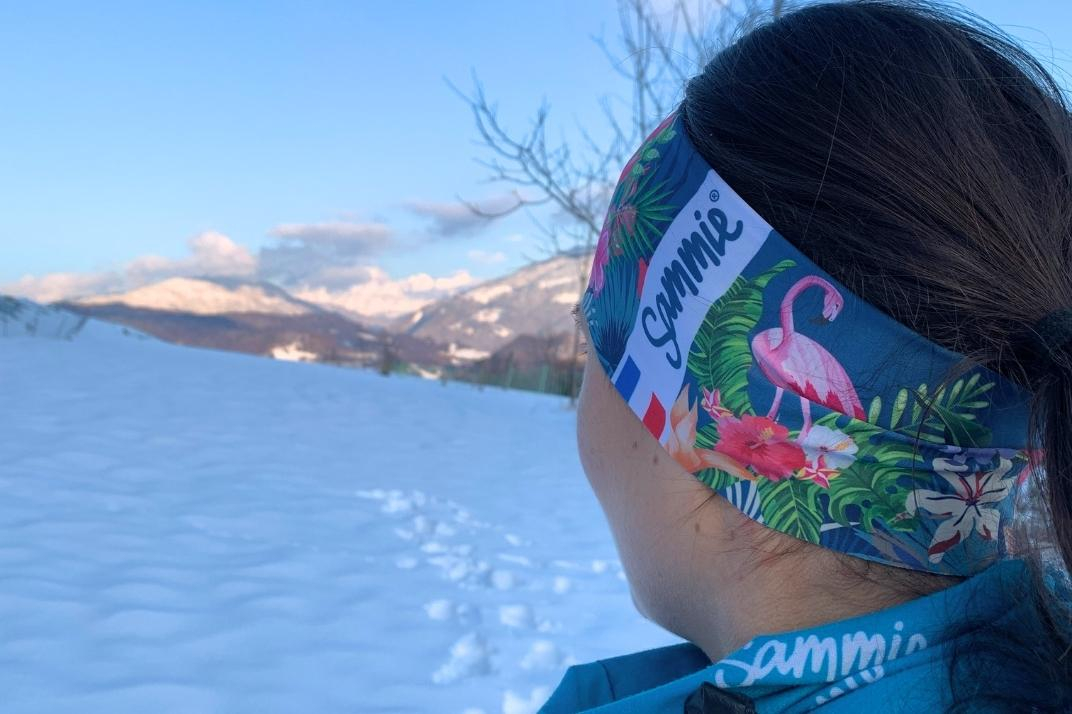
193 531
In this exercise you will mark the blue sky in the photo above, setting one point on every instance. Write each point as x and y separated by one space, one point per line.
130 128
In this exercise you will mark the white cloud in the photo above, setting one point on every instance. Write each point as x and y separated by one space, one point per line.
60 286
355 238
381 296
211 253
306 250
487 257
455 218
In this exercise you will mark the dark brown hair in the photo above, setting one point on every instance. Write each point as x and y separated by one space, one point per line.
923 158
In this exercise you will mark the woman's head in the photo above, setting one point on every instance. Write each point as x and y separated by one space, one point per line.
697 565
921 159
925 161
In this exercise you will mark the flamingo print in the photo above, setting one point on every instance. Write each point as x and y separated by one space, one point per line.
798 363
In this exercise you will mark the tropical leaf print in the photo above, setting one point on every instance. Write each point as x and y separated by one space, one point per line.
648 151
721 354
640 219
791 506
874 410
745 497
873 490
869 488
717 479
640 210
952 417
610 315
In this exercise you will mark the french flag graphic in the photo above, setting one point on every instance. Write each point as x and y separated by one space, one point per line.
654 416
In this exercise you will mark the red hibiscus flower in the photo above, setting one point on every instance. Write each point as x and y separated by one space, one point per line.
761 443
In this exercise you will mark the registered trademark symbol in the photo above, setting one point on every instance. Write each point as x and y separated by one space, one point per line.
714 195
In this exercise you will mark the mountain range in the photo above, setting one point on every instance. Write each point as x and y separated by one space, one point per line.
510 314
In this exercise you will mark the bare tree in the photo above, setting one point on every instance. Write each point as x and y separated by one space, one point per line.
655 52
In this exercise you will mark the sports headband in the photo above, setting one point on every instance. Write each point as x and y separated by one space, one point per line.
800 403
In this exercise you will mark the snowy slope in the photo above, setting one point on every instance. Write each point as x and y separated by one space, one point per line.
26 319
208 296
195 531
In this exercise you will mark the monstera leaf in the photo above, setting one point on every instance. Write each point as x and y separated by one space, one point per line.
870 483
873 489
721 354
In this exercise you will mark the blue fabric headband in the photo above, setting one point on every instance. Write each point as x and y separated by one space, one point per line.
800 403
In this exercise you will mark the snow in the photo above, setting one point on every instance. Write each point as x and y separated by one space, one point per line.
459 355
293 352
185 530
204 297
486 294
557 281
371 293
488 314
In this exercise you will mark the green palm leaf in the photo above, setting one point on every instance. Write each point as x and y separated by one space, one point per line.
721 354
653 214
952 417
791 506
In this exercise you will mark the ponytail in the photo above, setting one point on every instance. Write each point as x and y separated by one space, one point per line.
1046 359
923 158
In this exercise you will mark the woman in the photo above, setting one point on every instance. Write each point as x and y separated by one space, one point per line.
830 327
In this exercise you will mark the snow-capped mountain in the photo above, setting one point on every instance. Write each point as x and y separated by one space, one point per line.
208 296
534 300
253 317
262 318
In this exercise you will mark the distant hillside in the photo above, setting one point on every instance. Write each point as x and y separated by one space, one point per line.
21 318
208 296
512 314
534 300
253 317
25 318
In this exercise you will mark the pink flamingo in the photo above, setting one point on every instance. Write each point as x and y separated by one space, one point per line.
798 363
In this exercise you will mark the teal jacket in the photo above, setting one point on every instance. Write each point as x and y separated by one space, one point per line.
892 660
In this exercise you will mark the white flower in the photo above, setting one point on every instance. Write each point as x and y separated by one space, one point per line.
966 509
836 448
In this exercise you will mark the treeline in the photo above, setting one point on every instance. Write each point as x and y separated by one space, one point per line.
531 363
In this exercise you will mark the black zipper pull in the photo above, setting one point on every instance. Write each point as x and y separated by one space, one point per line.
709 699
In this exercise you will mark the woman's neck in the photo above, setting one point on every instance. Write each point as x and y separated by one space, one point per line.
767 582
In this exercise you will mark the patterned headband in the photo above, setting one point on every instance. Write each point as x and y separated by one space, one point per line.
807 408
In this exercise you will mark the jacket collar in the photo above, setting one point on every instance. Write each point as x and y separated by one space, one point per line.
804 669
